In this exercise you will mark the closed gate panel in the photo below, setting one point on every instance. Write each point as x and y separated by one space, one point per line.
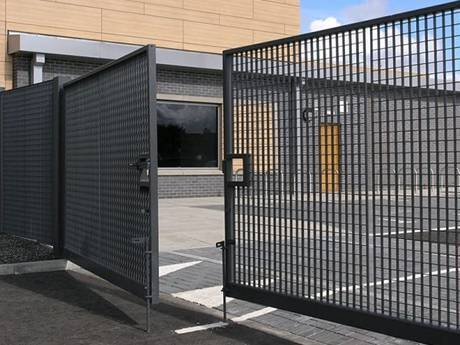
110 212
348 209
29 161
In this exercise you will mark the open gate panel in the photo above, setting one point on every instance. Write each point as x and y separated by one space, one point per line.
110 188
348 205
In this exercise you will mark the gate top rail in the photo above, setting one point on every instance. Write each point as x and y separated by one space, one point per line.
404 16
106 66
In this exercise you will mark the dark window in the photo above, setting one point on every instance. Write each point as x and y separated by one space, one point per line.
187 135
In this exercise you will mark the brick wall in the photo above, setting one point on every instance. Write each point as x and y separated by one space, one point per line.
189 186
170 81
177 82
21 70
67 68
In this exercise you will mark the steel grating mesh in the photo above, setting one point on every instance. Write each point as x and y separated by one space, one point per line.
29 162
107 218
351 210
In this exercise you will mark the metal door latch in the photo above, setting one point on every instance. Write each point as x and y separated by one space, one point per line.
143 166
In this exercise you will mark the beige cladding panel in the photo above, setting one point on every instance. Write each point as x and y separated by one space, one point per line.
201 25
209 34
119 5
275 12
212 6
171 3
251 24
52 14
212 23
180 13
238 8
130 24
2 9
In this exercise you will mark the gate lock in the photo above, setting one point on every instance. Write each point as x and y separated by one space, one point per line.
143 166
237 169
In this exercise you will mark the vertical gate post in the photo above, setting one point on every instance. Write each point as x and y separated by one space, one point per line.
1 163
229 190
58 115
153 271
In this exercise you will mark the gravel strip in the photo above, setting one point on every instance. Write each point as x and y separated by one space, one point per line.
15 249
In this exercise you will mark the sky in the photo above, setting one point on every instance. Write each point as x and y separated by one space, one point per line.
323 14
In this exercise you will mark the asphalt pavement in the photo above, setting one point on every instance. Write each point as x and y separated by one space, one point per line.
69 308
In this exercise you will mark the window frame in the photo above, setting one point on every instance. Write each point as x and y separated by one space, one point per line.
200 101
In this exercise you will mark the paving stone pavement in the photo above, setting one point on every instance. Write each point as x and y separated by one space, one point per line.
207 273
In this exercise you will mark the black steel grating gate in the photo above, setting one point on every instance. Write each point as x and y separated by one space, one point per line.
351 211
29 125
110 219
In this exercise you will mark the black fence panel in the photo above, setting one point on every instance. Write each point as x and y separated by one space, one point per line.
348 205
110 192
29 162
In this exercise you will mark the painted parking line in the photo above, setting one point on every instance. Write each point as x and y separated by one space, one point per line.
220 324
201 328
254 314
167 269
417 276
196 257
392 233
396 220
210 297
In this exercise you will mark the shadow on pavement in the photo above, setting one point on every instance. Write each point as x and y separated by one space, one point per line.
62 286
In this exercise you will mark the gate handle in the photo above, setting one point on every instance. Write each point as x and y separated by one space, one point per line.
143 161
142 165
228 170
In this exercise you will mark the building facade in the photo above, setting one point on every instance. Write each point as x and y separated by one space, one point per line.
42 39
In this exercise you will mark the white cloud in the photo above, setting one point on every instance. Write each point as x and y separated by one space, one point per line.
366 10
323 24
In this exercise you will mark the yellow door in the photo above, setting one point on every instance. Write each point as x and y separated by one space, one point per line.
330 157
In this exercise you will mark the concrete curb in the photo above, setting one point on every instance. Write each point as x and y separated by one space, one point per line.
33 267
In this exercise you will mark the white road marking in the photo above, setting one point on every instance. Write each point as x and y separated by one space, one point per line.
413 231
394 220
237 319
197 257
201 328
406 232
405 221
210 297
164 270
449 228
385 282
254 314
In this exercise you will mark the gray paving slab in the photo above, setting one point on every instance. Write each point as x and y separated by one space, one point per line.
185 224
306 329
207 274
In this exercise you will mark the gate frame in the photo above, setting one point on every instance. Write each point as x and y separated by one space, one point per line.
415 331
150 292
